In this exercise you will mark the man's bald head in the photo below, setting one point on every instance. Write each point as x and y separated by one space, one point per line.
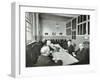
45 50
81 46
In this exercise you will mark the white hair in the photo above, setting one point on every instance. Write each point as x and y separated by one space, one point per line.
45 50
81 46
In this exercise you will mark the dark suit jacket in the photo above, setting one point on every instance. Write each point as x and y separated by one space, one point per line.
70 49
83 56
36 51
46 61
32 53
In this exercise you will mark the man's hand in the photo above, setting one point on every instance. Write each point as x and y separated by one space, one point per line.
73 54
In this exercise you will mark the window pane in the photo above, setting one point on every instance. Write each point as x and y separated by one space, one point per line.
68 25
88 17
68 31
81 18
78 19
84 28
78 29
74 35
88 27
81 29
74 24
84 17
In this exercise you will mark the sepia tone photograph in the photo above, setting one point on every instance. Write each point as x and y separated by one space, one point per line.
54 39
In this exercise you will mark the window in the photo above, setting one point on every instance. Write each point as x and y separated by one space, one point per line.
81 29
68 28
83 17
83 24
68 31
28 27
84 28
68 25
78 19
88 17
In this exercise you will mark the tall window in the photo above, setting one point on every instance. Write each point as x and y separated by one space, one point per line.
83 24
74 24
28 27
68 28
74 28
84 28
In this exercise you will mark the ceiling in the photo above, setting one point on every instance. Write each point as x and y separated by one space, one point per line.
56 16
67 15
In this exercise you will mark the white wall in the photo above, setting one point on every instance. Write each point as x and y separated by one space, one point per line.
49 26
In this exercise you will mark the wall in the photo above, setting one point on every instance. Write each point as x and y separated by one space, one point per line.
54 24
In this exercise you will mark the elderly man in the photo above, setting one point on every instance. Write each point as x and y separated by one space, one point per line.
44 59
82 54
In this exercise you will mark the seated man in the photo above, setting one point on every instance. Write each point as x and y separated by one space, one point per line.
82 54
70 47
44 59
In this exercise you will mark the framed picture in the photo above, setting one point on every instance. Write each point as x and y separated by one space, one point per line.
46 33
31 23
60 33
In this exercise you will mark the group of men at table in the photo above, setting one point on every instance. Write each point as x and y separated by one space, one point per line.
48 49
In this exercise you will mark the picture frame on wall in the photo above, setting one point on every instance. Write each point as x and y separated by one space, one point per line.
23 35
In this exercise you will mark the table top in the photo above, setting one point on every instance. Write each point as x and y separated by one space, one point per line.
65 57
